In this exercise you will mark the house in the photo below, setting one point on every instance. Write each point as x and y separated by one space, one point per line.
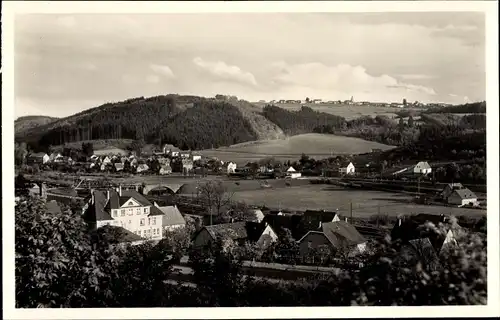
417 227
281 222
55 156
237 232
116 236
462 197
315 218
163 160
422 167
108 151
94 158
292 173
450 188
231 167
119 167
185 155
338 235
195 156
417 250
172 217
142 168
123 159
38 158
168 149
124 208
258 214
187 166
106 160
134 162
165 169
347 168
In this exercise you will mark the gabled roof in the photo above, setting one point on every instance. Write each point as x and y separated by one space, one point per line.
53 207
96 212
291 169
171 216
341 232
456 185
316 216
291 222
465 194
234 231
116 201
254 230
413 228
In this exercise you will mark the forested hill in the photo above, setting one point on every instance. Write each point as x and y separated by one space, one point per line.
23 124
189 122
475 107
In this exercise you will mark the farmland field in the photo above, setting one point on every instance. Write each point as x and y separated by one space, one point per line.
312 144
364 202
349 112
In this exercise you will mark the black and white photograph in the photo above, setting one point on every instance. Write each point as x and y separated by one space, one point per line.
233 155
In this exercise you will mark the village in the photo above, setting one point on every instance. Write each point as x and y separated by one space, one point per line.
138 215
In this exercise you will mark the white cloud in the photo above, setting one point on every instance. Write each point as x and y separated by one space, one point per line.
226 72
343 79
162 69
416 76
153 78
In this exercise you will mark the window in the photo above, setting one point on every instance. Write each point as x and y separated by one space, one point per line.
145 210
130 222
142 222
138 211
130 203
154 232
115 213
123 212
130 212
154 220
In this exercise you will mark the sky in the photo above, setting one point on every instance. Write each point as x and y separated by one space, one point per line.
68 63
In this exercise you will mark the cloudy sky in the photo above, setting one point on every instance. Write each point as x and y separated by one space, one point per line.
67 63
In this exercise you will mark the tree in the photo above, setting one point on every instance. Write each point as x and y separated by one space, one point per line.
215 196
404 102
401 124
410 121
20 153
307 99
21 186
87 149
237 212
137 146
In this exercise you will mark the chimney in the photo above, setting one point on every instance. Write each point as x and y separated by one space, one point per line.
107 192
120 190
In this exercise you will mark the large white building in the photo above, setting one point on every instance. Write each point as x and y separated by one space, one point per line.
127 209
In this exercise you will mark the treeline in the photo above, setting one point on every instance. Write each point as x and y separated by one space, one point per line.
475 107
60 264
184 121
208 124
306 120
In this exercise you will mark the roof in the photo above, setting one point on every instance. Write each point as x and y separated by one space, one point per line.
411 229
314 217
341 232
235 231
116 234
465 193
53 207
119 165
171 215
96 211
291 222
454 185
254 230
116 201
423 164
37 154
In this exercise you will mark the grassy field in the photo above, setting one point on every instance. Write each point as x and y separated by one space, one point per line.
364 203
315 145
347 111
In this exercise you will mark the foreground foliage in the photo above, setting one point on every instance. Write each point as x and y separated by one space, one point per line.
60 264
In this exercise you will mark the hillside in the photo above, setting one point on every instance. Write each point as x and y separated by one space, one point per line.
313 144
188 122
23 124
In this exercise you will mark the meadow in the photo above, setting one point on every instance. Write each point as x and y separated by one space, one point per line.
315 145
365 203
349 112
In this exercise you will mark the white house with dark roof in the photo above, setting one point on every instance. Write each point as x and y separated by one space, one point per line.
422 167
450 188
292 173
127 209
462 197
